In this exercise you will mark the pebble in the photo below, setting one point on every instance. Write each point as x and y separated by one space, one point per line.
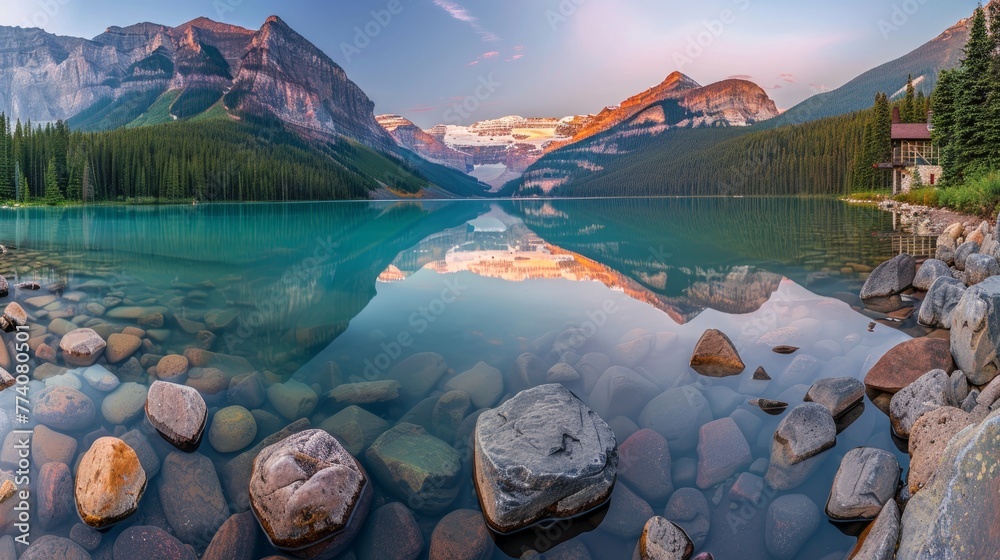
109 483
124 404
233 428
178 413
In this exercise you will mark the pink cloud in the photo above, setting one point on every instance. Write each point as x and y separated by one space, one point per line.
460 13
515 57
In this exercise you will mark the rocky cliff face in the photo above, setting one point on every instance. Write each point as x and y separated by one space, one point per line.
270 72
411 137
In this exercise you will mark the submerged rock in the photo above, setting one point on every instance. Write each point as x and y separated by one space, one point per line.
64 408
483 383
418 374
688 509
677 415
110 482
791 521
461 535
178 413
416 467
801 437
82 347
837 394
621 392
644 464
945 520
542 454
192 497
148 542
722 452
866 480
715 356
310 495
355 428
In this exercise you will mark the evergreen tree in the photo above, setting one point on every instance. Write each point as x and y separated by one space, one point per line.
52 194
971 142
944 103
909 110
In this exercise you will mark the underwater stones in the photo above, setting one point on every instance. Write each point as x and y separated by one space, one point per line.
416 467
149 542
866 480
542 454
47 547
100 378
722 452
355 428
368 392
907 361
418 374
644 464
247 390
110 482
121 346
932 390
677 415
292 399
627 513
390 532
688 509
939 304
178 413
460 535
233 428
881 289
235 540
310 495
975 333
483 383
715 356
192 497
64 408
82 347
55 494
929 272
662 540
530 370
621 392
791 521
124 404
837 394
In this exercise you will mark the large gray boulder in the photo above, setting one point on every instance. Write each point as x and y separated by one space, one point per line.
975 331
931 391
887 281
542 454
952 517
980 267
310 495
940 302
963 252
866 480
931 270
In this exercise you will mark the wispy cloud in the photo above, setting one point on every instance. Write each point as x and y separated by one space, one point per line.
513 58
459 12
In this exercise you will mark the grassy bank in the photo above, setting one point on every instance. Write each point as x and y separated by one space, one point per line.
979 196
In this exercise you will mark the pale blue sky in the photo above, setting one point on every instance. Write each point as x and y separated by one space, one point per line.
553 57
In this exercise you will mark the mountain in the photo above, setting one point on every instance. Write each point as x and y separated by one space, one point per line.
149 74
924 64
411 137
677 103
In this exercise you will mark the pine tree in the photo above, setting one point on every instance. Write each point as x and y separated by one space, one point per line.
944 102
52 194
972 143
909 110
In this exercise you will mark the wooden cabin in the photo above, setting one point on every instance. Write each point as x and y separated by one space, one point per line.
915 158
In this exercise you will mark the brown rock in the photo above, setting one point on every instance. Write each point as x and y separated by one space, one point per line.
149 543
48 445
209 381
783 349
55 494
235 540
171 367
48 547
64 408
715 356
46 352
460 535
178 413
121 347
109 483
928 439
390 532
644 464
82 347
192 497
906 362
15 315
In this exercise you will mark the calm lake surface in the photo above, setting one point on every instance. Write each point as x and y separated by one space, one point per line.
332 293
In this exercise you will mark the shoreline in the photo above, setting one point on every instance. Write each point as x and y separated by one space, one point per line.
918 219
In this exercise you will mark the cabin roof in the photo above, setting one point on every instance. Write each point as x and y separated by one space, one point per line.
915 131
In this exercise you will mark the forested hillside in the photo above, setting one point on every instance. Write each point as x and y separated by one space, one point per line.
210 159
